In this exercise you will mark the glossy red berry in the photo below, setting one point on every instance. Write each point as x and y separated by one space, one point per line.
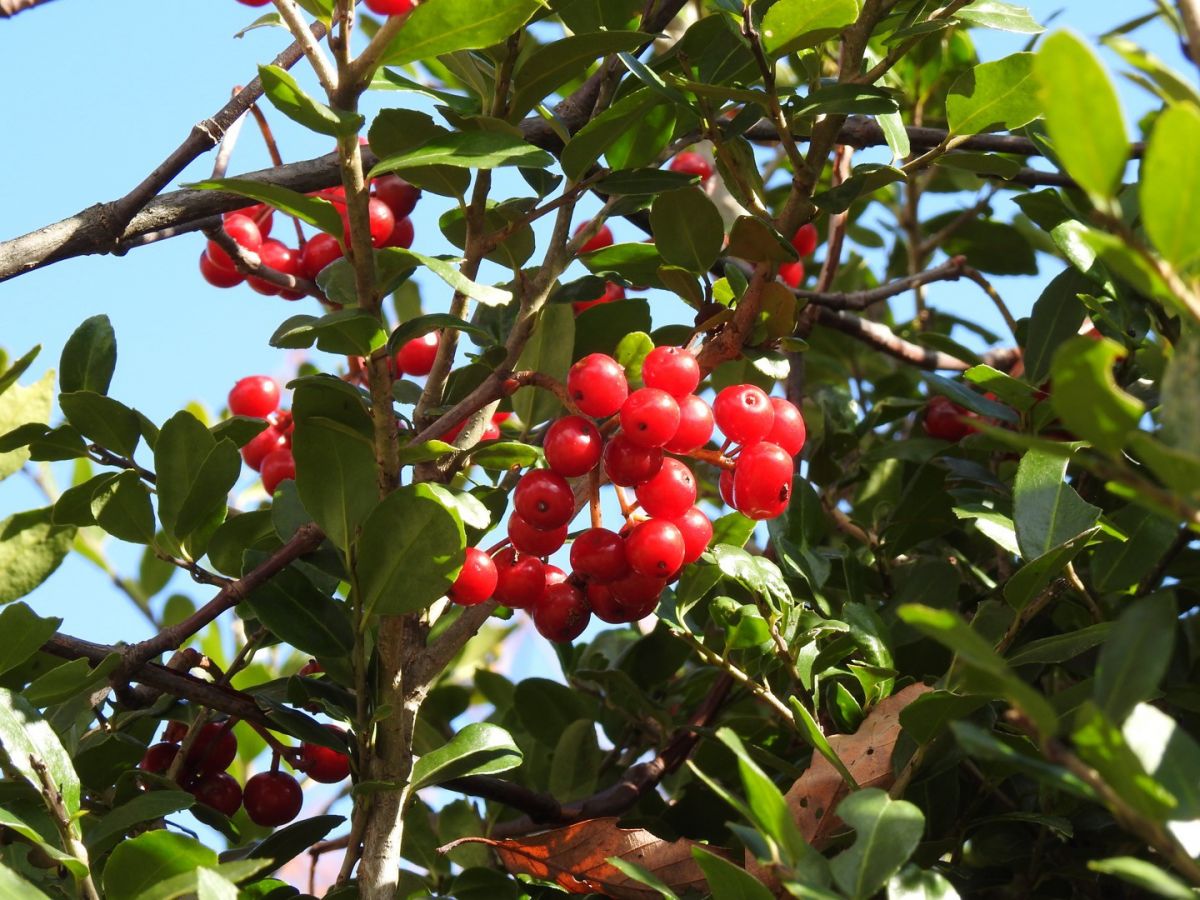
601 239
944 420
262 215
491 432
805 240
390 7
787 431
697 531
400 196
520 580
317 253
744 413
554 575
262 444
573 446
218 276
476 580
272 799
214 748
655 548
277 467
562 614
599 554
324 764
312 667
638 593
175 732
219 790
612 293
403 234
670 492
695 425
381 222
792 274
544 499
598 386
158 757
605 606
650 417
628 465
762 481
671 369
534 541
244 231
278 256
254 2
256 396
691 163
725 485
416 357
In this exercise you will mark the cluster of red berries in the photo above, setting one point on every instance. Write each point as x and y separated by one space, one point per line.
620 576
805 242
271 798
379 7
270 451
392 201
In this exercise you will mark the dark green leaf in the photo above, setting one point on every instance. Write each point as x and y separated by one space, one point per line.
24 633
1087 397
554 64
289 98
31 548
1057 315
478 749
298 613
1135 656
89 357
1047 510
548 351
728 881
122 508
467 150
439 27
286 843
141 863
422 325
351 332
688 230
107 422
887 831
605 130
316 211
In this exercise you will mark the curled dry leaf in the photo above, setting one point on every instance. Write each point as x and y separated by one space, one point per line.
576 858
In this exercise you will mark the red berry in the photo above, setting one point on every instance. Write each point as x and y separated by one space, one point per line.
255 395
544 499
159 757
476 581
402 234
627 464
655 547
573 446
263 443
692 164
534 541
324 764
175 732
390 7
214 748
416 357
601 239
520 580
944 420
650 417
743 413
671 369
400 196
726 487
638 593
219 790
312 667
381 222
762 481
272 799
554 575
562 614
254 2
317 253
670 493
805 240
597 385
605 605
599 554
612 293
277 467
243 230
697 531
217 276
792 274
491 432
695 425
787 431
278 256
262 215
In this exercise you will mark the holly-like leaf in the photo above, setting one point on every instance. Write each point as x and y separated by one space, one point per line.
554 64
478 749
1047 510
1136 655
792 25
467 150
289 98
994 96
315 211
89 357
28 741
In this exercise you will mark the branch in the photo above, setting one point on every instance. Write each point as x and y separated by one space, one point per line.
9 8
887 341
293 17
1189 12
860 300
248 263
67 829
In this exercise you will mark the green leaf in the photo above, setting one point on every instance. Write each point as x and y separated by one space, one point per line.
110 424
24 633
930 714
1060 647
792 25
969 399
688 230
576 761
286 843
548 351
485 294
887 831
1024 584
636 263
845 99
1169 755
552 65
1087 397
13 885
478 749
728 881
641 875
410 551
195 474
122 508
1100 744
9 377
1083 115
438 27
643 143
25 736
1019 754
770 811
644 182
298 613
1000 16
1168 192
812 733
315 211
289 98
351 332
994 96
23 406
143 808
1047 510
31 548
140 863
895 134
754 240
605 130
506 455
422 325
912 883
185 885
1144 875
89 357
468 150
1135 656
1056 318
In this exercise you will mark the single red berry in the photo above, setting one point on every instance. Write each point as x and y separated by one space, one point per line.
650 417
638 593
554 575
312 667
214 749
805 240
697 531
671 369
599 554
277 467
726 487
762 481
690 163
695 425
655 547
175 732
670 492
476 581
491 432
416 357
219 790
573 446
218 276
256 396
317 253
262 215
628 465
263 443
601 239
254 2
283 423
158 757
743 413
324 764
400 196
544 499
605 606
944 420
272 799
278 256
520 580
402 235
380 221
562 614
612 293
598 386
243 230
534 541
787 431
792 274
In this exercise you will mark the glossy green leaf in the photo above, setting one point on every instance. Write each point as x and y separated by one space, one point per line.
754 240
143 808
644 182
13 885
31 548
285 843
1000 16
449 273
932 713
478 749
548 351
553 65
1028 581
688 230
89 357
845 99
24 633
25 736
764 799
186 885
138 864
1099 743
122 508
1060 647
1169 191
644 141
811 730
792 25
1143 875
21 405
1136 654
289 98
438 27
1087 397
298 613
505 455
422 325
886 832
315 211
195 475
1056 318
605 130
467 150
110 424
1019 754
728 881
994 96
351 332
636 263
1169 755
1047 510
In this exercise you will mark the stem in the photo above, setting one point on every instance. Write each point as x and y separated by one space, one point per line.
66 828
293 17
